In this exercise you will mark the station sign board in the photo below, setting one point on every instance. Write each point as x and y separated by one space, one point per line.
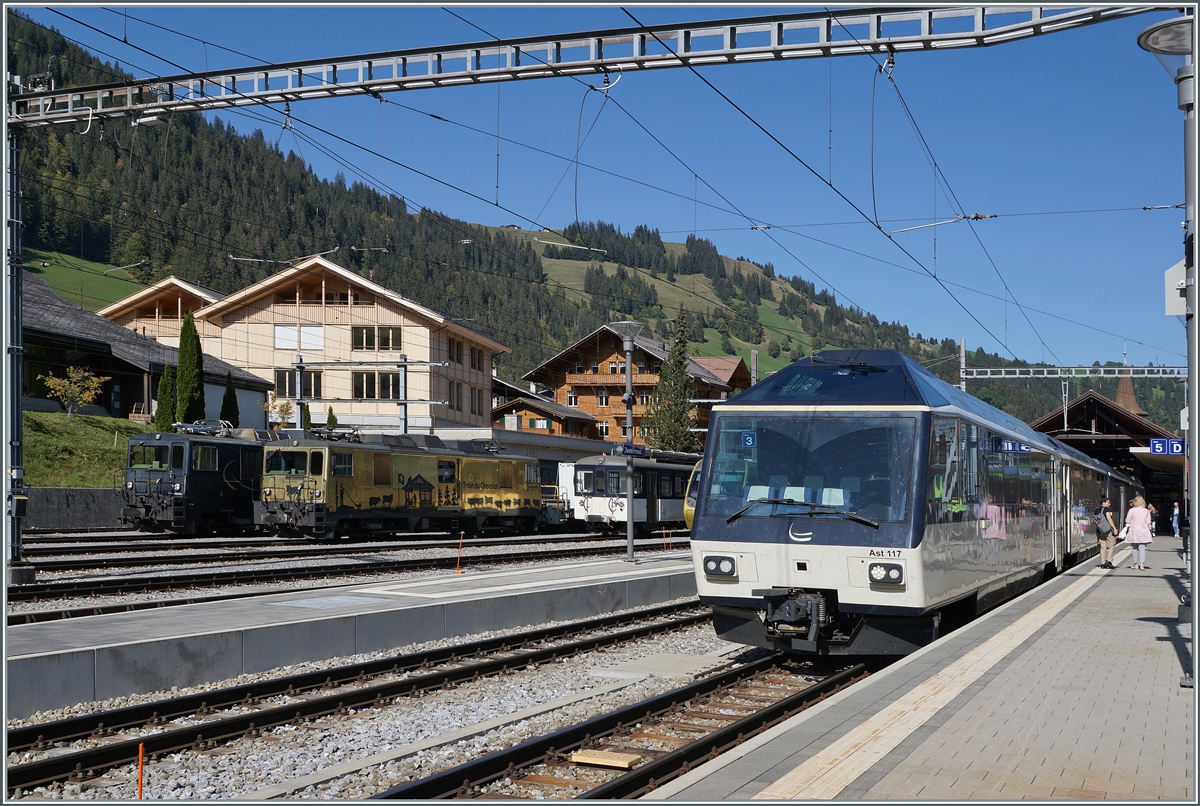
622 449
1166 447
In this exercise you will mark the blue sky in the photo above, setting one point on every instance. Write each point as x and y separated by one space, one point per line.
1064 137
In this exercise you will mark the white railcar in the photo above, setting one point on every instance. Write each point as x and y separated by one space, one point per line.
851 500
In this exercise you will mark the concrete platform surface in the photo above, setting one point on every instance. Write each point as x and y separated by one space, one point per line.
58 663
1071 692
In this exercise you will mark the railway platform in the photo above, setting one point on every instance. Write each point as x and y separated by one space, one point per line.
1072 692
58 663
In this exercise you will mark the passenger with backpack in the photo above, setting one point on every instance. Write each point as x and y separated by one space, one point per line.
1106 533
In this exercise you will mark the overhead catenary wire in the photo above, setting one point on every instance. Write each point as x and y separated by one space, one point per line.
809 168
716 302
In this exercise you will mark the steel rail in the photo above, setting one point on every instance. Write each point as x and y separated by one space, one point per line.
81 764
62 590
295 547
460 781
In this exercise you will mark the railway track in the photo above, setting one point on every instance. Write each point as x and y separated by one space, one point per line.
613 756
113 737
45 591
97 557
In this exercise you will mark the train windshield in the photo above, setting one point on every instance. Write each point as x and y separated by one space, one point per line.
841 464
153 457
294 462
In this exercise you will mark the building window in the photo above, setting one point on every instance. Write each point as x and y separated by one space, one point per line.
363 338
285 383
641 365
578 367
477 401
477 358
455 396
454 351
312 337
595 368
539 422
285 337
621 368
389 386
612 367
602 428
364 385
644 398
389 338
657 367
572 398
602 399
624 431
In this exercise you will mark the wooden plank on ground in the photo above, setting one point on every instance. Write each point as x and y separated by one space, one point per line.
707 715
606 758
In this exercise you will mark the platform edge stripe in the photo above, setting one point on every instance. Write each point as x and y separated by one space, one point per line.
827 773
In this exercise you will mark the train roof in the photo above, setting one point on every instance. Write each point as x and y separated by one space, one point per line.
887 377
618 462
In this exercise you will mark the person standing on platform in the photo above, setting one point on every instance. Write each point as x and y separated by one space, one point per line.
1139 535
1106 533
1175 519
1153 519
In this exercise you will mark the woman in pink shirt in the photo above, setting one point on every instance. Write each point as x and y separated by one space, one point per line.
1138 537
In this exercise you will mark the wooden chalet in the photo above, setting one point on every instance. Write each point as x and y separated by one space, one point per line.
382 361
589 377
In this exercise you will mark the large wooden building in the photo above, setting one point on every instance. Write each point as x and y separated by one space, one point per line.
589 377
325 335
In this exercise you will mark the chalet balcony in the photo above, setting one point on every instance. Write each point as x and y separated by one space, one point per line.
609 379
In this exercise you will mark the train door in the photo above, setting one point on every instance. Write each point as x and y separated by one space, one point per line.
1062 512
650 485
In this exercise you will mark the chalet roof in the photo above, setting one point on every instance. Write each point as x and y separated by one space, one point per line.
318 265
551 407
1127 421
166 287
658 349
723 366
510 389
50 319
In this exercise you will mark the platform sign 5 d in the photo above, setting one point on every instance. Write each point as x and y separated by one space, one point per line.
1166 447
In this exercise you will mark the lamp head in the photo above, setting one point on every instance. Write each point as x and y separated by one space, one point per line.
1171 42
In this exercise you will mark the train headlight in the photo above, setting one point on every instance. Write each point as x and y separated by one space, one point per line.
719 566
176 487
266 494
317 493
886 573
129 485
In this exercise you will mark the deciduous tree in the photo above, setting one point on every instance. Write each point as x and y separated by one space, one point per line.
79 388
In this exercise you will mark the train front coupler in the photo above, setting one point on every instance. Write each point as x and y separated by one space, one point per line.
794 615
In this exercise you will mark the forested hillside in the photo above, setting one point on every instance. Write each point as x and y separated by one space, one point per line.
184 196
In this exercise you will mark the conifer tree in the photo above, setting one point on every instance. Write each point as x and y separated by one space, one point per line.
671 417
229 404
305 417
189 404
331 419
164 415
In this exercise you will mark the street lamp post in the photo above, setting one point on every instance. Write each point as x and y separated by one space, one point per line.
1172 41
628 331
